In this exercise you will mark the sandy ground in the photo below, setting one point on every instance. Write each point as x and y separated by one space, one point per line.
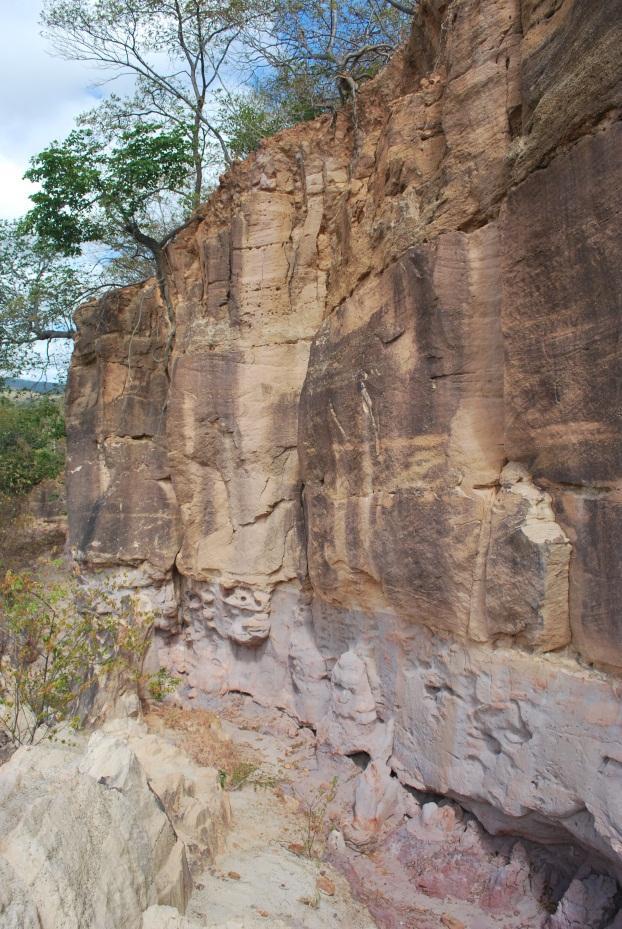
265 878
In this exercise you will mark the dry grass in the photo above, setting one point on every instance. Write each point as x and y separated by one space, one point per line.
201 736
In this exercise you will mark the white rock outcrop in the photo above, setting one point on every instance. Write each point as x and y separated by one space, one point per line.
91 839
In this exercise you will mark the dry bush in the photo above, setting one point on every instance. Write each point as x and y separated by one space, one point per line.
201 736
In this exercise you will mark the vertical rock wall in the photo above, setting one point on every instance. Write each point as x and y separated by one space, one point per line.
380 482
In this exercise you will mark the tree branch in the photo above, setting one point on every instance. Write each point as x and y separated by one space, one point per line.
407 8
47 334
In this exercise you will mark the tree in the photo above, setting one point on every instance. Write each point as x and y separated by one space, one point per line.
175 49
92 191
299 57
95 192
318 52
39 289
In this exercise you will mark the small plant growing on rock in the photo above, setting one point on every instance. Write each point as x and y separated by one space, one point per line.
245 772
316 812
161 684
237 776
51 653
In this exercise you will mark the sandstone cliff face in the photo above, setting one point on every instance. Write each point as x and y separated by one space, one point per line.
380 482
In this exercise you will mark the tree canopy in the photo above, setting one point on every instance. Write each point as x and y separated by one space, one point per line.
210 80
93 191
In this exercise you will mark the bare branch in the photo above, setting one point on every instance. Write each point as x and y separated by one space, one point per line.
408 8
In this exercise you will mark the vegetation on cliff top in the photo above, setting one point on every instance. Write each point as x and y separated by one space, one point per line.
208 80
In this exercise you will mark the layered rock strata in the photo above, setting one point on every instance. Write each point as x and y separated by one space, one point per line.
379 483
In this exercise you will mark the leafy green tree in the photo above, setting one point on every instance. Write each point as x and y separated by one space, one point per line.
94 191
178 51
31 443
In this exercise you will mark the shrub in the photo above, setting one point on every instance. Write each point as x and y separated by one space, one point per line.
31 443
51 653
316 815
161 684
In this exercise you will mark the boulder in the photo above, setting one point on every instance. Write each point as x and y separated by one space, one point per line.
87 834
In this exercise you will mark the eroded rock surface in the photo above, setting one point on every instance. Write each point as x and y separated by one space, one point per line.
93 838
380 482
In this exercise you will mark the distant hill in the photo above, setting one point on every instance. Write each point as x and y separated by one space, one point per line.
37 387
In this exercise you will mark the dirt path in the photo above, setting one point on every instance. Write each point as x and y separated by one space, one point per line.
435 868
264 879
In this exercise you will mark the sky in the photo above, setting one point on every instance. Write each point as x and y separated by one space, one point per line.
40 95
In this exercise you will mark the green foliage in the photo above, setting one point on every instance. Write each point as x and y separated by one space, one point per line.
92 189
39 290
238 776
145 161
161 684
246 119
70 179
31 446
50 654
245 772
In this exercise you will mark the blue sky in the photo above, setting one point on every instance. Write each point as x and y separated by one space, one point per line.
40 95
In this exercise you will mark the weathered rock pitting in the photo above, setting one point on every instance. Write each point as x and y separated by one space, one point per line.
380 483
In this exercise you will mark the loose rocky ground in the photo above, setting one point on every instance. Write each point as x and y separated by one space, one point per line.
431 867
265 878
235 816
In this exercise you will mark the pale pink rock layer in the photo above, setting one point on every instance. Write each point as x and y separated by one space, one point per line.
380 482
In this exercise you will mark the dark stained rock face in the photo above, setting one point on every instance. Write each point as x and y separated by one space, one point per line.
398 416
118 478
562 313
562 325
378 481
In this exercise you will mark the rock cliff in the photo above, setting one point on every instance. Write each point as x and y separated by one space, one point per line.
379 481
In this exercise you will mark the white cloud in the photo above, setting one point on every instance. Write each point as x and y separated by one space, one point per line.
14 190
40 97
